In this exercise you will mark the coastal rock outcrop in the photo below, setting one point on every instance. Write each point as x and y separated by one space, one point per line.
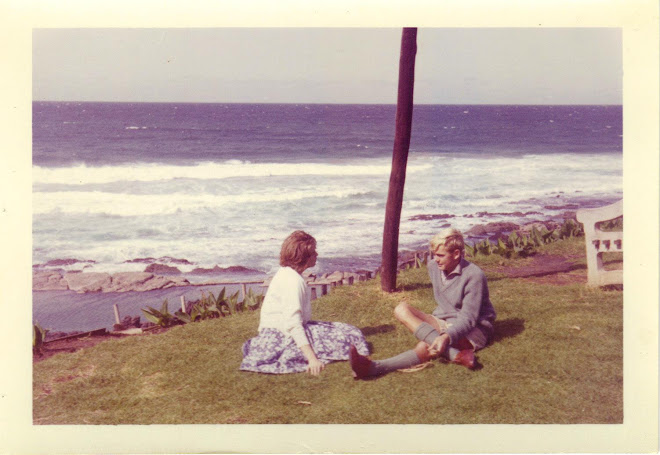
424 217
83 282
162 269
491 228
87 282
49 281
128 281
217 270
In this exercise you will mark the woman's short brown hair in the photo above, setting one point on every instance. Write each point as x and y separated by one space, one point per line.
297 249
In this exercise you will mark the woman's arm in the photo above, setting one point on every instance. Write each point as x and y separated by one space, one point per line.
315 366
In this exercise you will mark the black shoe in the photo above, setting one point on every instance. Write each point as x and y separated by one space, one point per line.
360 364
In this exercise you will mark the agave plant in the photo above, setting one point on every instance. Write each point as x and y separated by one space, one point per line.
233 305
253 300
160 317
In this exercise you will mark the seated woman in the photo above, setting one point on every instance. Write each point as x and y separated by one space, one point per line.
288 340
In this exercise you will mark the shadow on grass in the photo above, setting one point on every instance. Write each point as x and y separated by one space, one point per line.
383 328
534 272
508 328
414 287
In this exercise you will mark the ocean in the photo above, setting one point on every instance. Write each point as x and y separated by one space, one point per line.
223 184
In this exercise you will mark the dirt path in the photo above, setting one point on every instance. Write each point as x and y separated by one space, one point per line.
553 269
549 269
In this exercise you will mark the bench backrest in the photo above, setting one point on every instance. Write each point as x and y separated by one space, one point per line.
599 242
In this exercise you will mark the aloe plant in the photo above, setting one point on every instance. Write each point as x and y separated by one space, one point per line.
232 303
253 300
160 317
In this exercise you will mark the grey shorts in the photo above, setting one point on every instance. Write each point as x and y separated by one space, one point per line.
479 336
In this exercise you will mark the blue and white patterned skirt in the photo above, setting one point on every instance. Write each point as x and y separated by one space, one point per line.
273 352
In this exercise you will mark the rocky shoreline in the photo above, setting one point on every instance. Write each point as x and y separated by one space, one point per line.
160 275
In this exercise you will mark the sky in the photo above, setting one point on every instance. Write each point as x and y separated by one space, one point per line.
328 65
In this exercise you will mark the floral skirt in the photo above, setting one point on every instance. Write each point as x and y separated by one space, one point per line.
271 351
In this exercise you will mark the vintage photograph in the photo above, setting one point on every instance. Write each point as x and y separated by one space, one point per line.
208 212
304 228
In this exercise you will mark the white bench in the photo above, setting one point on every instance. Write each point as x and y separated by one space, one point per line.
599 242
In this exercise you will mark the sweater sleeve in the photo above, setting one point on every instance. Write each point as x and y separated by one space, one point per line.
468 316
294 314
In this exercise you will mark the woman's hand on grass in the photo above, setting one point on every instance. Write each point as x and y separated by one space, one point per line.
315 367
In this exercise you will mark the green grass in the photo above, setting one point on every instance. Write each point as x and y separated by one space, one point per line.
557 358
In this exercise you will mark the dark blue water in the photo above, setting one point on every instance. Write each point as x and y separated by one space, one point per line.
96 134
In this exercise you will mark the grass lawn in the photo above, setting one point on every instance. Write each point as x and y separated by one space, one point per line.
557 358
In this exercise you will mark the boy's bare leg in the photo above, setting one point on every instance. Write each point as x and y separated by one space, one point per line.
412 318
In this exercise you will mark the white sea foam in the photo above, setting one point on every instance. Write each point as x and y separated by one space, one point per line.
211 220
81 175
165 204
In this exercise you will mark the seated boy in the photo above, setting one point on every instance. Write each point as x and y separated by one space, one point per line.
461 324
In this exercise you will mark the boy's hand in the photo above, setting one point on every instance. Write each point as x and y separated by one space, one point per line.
439 345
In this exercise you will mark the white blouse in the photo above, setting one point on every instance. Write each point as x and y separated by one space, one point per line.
286 306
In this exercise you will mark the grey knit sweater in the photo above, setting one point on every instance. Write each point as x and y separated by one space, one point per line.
462 299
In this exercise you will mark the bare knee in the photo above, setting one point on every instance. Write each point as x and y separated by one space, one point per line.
402 311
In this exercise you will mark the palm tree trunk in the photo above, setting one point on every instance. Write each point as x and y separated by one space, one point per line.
404 111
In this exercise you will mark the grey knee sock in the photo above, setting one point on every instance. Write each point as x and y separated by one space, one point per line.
426 333
406 359
452 352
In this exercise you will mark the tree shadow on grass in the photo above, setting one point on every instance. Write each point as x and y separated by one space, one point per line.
508 328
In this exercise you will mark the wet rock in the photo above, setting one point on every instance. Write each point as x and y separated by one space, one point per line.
128 281
70 261
491 228
172 260
562 207
517 214
166 259
161 282
48 281
88 281
140 261
219 270
440 216
162 269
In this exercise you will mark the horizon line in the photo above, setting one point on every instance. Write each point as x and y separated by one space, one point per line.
323 103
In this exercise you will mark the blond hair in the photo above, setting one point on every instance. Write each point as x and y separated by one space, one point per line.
297 249
450 238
